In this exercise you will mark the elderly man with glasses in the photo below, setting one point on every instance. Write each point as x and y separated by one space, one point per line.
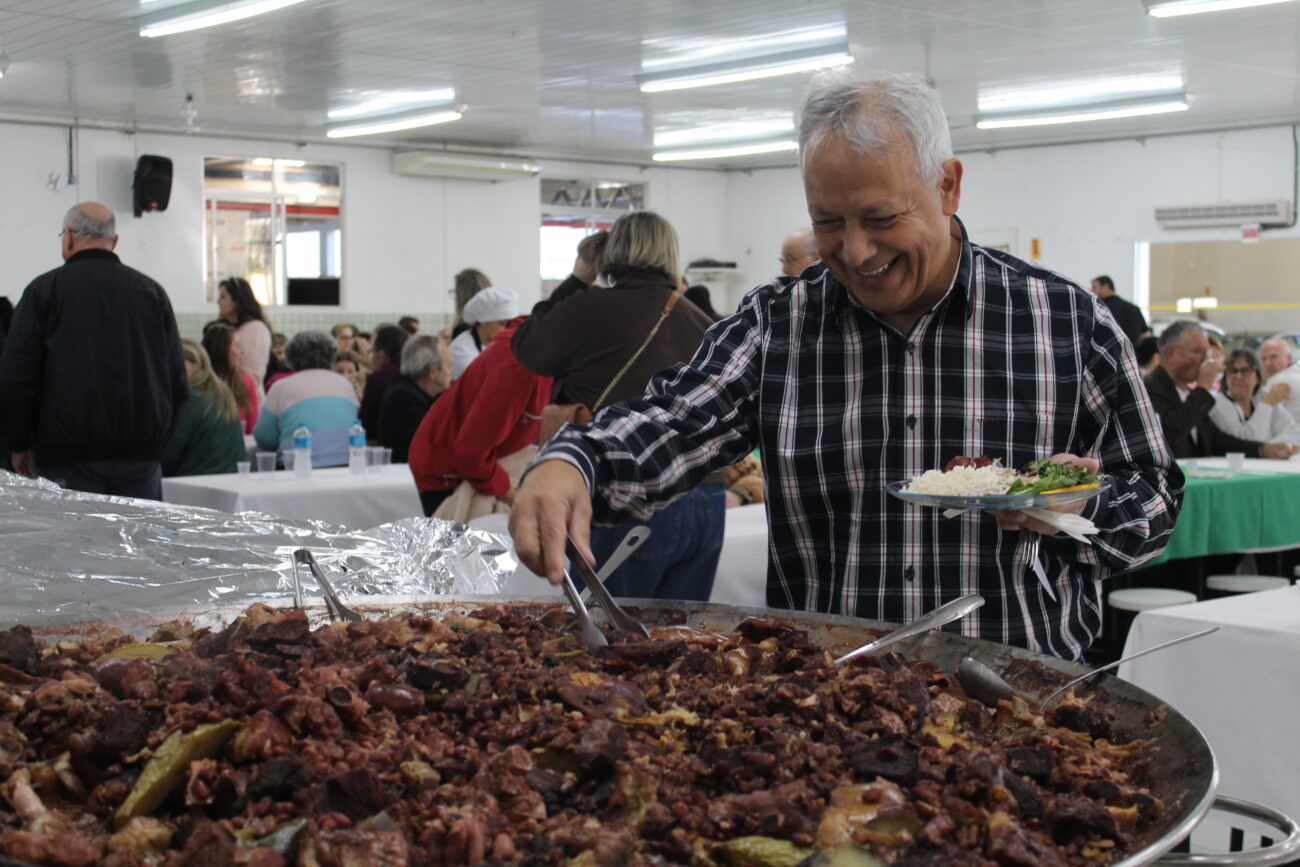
1181 390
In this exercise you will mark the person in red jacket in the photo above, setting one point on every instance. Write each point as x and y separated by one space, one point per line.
493 410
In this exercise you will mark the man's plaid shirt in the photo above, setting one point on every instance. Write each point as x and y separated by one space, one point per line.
1015 363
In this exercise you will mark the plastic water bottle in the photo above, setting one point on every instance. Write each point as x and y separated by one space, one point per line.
356 448
302 452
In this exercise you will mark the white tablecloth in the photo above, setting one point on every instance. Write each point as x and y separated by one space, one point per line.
332 495
1238 686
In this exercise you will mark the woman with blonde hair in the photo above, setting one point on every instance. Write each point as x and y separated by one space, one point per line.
208 437
585 337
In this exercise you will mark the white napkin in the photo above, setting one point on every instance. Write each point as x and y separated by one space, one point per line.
1075 526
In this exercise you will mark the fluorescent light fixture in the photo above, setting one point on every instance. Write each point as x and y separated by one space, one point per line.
770 147
285 164
397 124
1183 305
1205 303
726 131
308 193
754 68
1078 91
1174 8
1079 113
692 49
387 103
213 16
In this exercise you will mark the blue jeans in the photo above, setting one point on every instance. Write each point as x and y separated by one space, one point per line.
679 559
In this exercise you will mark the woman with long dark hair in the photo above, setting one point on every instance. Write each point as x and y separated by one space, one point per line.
237 306
585 337
225 353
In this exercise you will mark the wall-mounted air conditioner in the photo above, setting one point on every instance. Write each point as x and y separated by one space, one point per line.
433 164
1264 211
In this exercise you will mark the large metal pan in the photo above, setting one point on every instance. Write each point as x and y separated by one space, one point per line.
1182 767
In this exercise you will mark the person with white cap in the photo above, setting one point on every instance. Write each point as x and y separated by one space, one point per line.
487 313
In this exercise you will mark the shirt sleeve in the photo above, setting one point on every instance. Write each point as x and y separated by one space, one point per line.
1137 514
695 418
544 342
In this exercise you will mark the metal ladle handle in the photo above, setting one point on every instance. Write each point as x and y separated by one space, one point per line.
946 613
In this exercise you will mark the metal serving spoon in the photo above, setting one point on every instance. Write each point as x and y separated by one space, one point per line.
987 687
946 613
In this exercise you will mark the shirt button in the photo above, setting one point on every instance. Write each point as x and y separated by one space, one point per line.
909 573
911 347
911 421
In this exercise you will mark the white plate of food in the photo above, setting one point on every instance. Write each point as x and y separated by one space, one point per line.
989 486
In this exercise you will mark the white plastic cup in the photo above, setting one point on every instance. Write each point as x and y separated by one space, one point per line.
289 455
244 467
266 462
388 457
375 459
1236 461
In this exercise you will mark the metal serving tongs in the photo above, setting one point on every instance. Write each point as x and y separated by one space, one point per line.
335 606
602 597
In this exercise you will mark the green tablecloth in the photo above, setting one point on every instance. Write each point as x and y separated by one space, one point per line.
1222 515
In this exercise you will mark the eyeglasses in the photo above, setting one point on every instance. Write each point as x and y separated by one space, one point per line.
788 259
1240 371
1199 353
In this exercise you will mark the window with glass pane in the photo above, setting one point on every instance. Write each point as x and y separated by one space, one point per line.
275 222
574 209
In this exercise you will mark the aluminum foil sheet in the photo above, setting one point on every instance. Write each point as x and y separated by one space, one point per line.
68 556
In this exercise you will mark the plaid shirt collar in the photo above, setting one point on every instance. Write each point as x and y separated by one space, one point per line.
844 304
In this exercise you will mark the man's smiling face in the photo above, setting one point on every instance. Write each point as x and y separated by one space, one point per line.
884 233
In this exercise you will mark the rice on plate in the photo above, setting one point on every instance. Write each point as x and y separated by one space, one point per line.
991 480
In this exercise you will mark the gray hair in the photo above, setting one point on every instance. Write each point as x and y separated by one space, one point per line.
310 350
86 225
420 355
1176 332
870 110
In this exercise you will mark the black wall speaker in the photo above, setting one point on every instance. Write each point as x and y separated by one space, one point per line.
153 184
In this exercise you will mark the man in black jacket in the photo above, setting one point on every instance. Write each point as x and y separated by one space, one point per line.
92 377
1127 314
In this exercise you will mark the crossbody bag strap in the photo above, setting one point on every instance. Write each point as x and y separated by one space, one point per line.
668 308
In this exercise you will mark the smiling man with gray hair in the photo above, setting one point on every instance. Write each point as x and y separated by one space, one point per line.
92 377
906 346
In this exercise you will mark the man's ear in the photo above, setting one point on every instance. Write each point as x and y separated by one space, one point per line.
950 186
113 246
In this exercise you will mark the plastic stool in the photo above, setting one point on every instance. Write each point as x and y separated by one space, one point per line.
1232 585
1148 598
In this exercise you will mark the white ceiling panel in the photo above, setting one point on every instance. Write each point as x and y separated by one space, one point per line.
558 77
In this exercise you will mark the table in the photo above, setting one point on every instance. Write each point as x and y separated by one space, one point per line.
333 495
1237 686
1250 511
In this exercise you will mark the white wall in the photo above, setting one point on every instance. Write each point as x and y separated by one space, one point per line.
1088 204
404 238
